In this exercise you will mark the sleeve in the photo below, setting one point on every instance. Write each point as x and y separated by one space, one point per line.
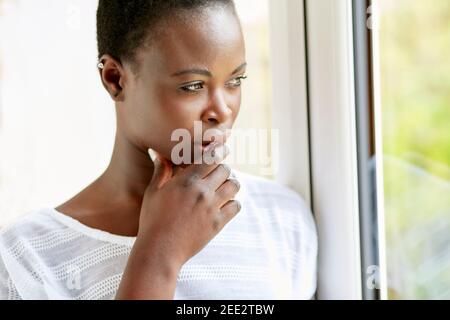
7 289
305 273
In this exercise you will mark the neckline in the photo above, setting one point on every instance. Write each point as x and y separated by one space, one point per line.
97 234
105 236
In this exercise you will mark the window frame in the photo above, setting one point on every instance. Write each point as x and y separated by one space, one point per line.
378 132
317 63
290 94
370 147
313 69
331 80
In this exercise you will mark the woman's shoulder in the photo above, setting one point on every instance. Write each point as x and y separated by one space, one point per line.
32 224
274 199
27 223
281 212
36 233
44 249
21 245
46 228
267 190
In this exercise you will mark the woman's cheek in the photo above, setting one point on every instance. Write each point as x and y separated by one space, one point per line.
185 112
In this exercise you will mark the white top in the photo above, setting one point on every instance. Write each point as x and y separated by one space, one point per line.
268 251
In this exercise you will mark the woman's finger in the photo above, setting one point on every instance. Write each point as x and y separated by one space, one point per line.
214 154
229 211
227 191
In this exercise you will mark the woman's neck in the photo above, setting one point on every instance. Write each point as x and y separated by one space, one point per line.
130 169
112 202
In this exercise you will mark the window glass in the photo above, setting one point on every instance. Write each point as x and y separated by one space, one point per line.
414 46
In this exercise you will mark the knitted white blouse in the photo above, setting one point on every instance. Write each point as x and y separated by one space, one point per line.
268 251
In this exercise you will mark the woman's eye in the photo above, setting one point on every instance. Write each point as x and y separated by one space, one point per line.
192 87
236 82
195 87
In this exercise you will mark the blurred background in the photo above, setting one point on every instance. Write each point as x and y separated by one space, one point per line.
415 88
57 123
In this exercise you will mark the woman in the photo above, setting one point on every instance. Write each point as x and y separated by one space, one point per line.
157 228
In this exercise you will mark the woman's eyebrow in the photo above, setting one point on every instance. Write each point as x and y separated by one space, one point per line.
238 69
205 72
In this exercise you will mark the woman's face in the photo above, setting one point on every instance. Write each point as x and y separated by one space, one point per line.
190 72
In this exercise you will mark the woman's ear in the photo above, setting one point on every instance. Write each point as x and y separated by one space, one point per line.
112 74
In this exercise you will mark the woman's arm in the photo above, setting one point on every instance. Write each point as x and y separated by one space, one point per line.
148 275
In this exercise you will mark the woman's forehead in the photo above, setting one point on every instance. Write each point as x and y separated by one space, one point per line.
209 40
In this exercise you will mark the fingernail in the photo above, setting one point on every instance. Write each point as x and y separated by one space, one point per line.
238 184
227 167
152 154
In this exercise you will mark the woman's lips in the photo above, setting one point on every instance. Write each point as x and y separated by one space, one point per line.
221 140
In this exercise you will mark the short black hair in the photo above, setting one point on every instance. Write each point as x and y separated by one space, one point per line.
124 25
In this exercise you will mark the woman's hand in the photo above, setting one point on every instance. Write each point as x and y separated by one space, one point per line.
181 212
185 211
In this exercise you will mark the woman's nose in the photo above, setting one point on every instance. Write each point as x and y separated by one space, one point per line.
218 111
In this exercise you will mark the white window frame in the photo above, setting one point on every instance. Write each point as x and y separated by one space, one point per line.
333 147
314 103
289 94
